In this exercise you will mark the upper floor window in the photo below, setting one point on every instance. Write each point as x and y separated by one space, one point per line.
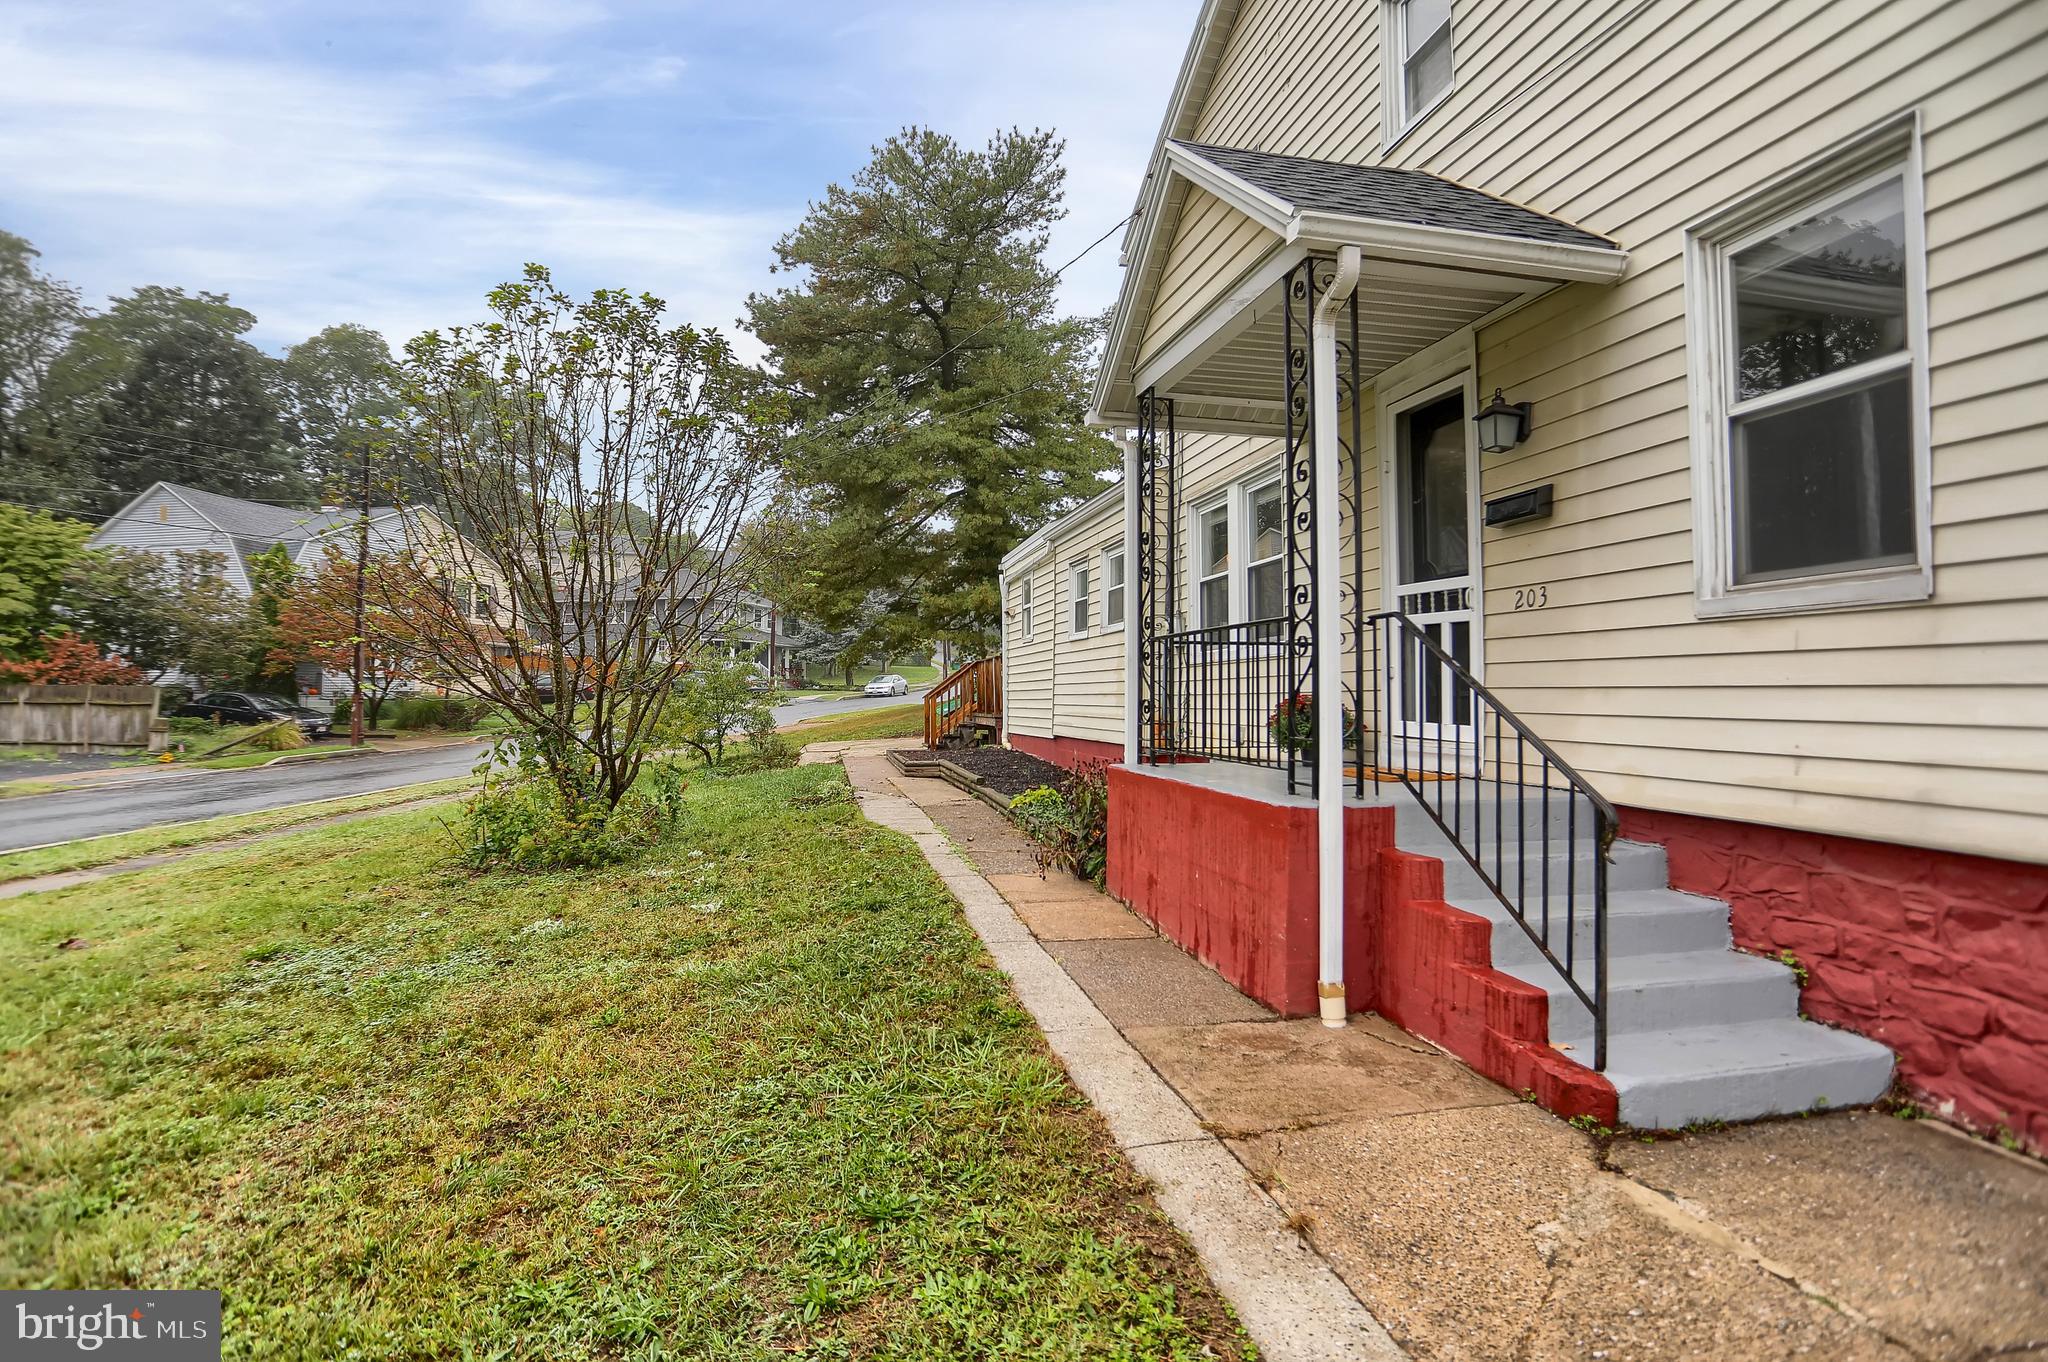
1113 587
1809 378
1415 70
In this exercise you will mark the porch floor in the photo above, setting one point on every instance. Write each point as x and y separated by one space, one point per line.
1474 1225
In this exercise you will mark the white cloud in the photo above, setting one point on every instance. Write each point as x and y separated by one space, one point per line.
314 200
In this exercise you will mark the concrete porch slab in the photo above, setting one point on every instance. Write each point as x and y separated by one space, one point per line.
1152 982
1248 1077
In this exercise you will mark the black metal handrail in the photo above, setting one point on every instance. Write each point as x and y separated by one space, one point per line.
1219 690
1428 692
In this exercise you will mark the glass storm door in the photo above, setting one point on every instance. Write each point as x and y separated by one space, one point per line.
1434 581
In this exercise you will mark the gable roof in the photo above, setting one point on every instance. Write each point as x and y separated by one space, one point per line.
1389 193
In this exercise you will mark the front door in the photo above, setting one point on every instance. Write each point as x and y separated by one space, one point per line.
1433 552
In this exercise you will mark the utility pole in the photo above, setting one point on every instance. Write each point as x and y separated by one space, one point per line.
355 714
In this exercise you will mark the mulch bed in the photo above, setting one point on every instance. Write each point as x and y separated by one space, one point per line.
1004 770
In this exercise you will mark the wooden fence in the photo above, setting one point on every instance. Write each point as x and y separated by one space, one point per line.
80 718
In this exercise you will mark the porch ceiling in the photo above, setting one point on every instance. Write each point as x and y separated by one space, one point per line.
1239 382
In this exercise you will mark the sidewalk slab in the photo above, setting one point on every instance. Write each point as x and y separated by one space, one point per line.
1153 982
1249 1077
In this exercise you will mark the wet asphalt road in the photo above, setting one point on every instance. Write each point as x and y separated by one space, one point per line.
154 798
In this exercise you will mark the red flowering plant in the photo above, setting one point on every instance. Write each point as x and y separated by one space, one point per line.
1293 725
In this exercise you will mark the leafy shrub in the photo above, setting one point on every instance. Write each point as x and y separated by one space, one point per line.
522 821
1071 829
458 712
713 703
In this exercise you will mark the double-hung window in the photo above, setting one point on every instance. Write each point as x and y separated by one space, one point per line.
1809 373
1415 66
1212 564
1113 587
1264 570
1025 621
1079 589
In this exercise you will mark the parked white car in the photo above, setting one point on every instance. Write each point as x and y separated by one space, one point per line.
891 684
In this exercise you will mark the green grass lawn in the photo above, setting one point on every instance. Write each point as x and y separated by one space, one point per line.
760 1095
887 721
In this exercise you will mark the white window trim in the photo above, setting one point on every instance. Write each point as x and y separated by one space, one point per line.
1247 493
1837 173
1027 618
1115 550
1396 119
1076 597
1233 535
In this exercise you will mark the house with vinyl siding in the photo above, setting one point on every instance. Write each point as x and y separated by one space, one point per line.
1619 439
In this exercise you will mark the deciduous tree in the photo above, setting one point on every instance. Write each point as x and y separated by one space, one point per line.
36 550
598 463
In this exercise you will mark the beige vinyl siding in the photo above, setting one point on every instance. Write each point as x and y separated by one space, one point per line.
1028 660
1059 684
1213 244
1300 78
1925 723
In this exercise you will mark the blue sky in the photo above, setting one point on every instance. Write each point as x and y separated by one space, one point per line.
388 163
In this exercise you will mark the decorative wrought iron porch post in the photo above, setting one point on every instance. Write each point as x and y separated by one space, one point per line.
1299 631
1157 540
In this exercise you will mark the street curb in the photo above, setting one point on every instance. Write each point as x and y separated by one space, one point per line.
318 756
1287 1297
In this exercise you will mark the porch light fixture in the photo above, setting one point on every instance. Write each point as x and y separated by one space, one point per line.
1502 424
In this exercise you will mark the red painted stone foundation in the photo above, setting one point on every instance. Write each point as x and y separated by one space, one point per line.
1067 752
1943 957
1233 880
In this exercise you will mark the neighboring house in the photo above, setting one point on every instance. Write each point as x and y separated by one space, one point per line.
169 519
1586 417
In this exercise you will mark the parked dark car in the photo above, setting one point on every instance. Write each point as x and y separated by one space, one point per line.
240 707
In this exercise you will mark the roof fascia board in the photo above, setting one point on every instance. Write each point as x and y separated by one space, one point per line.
1212 27
1220 324
135 501
1270 211
1042 538
1457 249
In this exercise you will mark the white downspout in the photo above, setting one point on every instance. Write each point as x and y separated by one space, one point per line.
1329 623
1130 447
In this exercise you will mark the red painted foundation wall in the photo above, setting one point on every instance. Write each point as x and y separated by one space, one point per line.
1067 752
1943 957
1233 880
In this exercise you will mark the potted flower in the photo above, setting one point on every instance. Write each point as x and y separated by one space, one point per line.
1293 726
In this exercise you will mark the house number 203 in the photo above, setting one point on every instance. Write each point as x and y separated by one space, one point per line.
1531 597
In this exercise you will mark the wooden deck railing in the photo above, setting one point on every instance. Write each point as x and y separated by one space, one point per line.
974 689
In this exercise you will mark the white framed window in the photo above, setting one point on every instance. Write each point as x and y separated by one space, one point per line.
1265 569
1212 564
1806 313
1113 587
1415 62
1026 622
1080 595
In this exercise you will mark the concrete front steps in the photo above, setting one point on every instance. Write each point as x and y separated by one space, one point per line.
1696 1031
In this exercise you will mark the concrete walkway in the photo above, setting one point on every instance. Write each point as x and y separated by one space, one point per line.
1471 1224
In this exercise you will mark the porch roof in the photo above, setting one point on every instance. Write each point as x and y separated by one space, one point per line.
1438 256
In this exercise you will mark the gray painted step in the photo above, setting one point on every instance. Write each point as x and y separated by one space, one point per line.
1696 1030
1668 1079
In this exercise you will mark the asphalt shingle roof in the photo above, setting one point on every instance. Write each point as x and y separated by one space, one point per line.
1415 197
